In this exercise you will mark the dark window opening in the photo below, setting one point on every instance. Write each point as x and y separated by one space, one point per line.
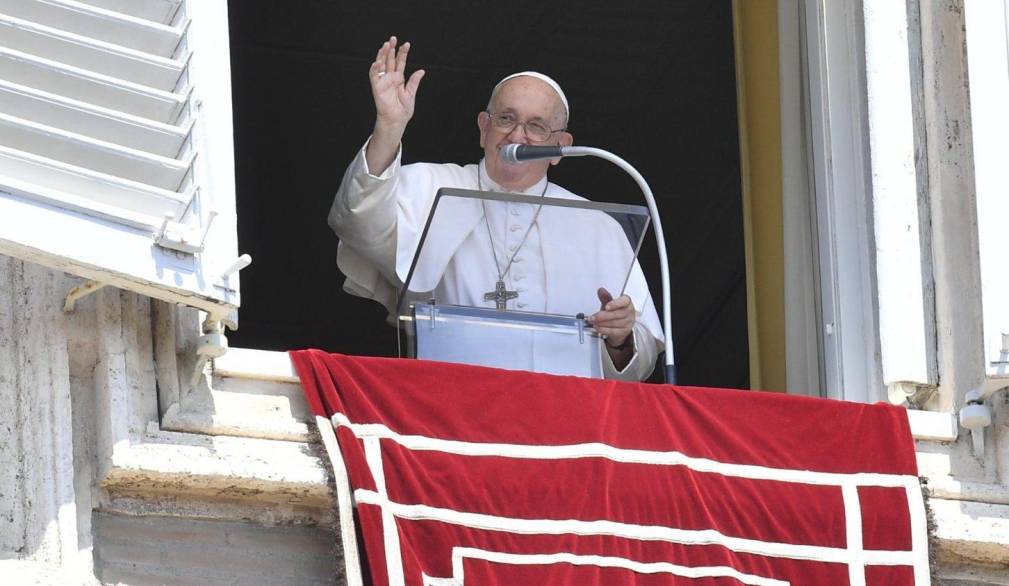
652 81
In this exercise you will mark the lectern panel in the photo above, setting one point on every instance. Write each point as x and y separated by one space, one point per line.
512 340
507 280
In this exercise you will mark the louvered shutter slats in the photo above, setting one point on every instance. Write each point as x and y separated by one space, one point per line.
91 55
82 151
92 107
55 180
116 144
154 10
94 88
98 23
90 120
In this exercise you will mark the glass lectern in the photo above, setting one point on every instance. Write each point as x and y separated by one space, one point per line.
507 280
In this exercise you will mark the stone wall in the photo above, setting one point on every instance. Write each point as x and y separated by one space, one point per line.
46 359
171 550
92 487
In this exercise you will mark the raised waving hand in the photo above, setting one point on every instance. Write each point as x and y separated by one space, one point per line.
395 96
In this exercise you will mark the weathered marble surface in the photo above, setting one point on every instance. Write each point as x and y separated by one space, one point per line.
81 440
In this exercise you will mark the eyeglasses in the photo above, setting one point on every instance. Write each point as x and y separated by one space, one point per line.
536 130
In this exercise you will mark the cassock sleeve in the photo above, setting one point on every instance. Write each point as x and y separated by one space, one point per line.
363 216
642 363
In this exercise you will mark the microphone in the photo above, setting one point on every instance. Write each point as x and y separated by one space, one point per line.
518 153
513 154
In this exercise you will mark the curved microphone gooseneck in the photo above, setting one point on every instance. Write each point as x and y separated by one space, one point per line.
520 153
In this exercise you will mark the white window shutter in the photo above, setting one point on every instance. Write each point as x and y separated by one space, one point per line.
987 33
116 145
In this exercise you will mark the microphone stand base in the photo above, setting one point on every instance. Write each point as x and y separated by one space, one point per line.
670 372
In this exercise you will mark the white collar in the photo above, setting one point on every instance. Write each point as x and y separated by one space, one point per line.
488 184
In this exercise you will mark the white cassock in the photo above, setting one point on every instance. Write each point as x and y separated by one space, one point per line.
558 268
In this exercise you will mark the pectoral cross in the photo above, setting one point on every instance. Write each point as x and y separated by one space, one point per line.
500 295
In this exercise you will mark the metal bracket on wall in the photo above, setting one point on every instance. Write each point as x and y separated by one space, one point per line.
212 344
70 303
183 240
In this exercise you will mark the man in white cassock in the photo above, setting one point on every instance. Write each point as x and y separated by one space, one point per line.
381 208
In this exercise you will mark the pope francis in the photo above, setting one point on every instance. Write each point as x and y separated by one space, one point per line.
381 207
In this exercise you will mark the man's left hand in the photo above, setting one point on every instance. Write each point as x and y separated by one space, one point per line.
615 319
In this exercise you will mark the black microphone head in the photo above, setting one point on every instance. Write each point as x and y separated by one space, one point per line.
509 154
513 154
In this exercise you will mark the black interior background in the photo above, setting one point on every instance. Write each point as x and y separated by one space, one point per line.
650 80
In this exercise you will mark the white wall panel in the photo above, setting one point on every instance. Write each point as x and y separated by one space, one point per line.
987 29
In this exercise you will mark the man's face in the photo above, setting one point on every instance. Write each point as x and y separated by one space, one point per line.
528 99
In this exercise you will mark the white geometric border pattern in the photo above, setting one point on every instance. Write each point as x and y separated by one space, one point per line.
854 555
460 554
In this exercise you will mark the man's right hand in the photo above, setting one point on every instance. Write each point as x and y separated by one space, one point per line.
394 96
